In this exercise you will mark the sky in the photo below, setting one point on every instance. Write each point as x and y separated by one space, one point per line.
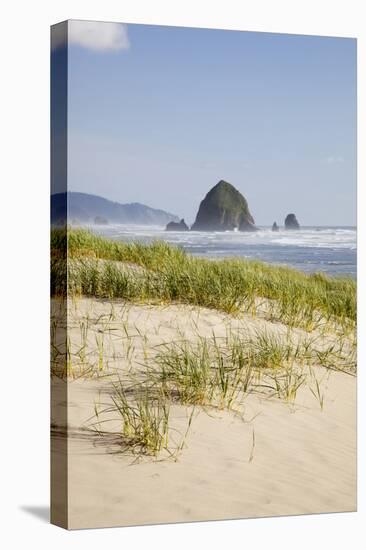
159 115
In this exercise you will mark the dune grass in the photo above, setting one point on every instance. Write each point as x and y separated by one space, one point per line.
210 373
197 374
145 422
207 372
146 429
220 372
167 274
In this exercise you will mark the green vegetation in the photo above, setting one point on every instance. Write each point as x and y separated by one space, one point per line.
167 274
202 373
145 422
220 372
199 374
210 373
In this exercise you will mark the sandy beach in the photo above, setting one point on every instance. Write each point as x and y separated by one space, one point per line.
203 275
274 457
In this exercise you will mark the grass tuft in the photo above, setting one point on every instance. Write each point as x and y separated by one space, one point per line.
161 273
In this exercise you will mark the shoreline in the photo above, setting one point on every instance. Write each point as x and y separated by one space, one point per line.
310 249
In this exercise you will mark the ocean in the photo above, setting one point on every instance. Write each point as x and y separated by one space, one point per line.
332 250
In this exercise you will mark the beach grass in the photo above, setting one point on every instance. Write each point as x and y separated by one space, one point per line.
162 273
203 372
210 373
145 422
219 372
146 429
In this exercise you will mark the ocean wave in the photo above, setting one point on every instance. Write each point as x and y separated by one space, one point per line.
331 249
332 238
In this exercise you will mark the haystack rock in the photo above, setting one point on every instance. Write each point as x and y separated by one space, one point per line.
177 226
291 222
275 227
224 209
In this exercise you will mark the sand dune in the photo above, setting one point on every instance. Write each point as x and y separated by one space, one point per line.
277 459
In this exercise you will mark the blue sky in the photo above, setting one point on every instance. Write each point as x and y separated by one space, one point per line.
159 115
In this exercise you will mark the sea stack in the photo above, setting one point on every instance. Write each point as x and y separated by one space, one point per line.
275 227
291 222
177 226
224 209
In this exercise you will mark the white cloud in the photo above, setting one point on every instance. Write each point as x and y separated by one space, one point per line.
98 36
334 160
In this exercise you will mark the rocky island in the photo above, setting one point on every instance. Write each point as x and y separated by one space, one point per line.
177 226
291 222
224 209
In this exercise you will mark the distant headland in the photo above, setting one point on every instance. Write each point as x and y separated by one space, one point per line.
83 208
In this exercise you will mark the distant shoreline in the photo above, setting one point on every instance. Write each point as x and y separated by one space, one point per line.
265 227
331 250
